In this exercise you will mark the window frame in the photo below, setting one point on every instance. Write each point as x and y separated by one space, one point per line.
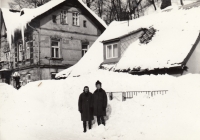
28 80
59 49
112 46
85 50
66 17
28 50
85 23
7 56
54 16
21 52
53 73
78 18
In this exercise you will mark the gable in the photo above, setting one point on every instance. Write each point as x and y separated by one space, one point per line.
46 21
53 6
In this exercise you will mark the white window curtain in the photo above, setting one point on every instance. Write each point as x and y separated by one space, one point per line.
111 51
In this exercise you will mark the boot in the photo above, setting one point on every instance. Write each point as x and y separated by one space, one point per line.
99 123
90 125
84 127
104 123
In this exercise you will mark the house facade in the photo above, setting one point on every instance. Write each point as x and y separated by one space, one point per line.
53 41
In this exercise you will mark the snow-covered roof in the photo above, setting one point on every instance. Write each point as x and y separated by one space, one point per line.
176 34
177 31
22 18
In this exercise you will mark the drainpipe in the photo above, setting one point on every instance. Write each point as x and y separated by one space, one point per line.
39 49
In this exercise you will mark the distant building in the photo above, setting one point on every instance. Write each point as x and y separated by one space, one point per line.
54 40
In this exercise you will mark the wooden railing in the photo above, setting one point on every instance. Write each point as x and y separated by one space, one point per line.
131 94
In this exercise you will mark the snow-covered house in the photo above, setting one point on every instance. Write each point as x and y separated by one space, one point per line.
156 44
164 42
38 43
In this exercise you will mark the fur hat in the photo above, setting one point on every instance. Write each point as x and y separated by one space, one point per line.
98 82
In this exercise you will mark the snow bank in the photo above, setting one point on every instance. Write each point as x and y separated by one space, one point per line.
6 91
48 110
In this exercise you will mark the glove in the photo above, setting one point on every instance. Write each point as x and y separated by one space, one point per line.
80 111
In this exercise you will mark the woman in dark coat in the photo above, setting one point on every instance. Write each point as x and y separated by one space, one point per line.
86 108
99 103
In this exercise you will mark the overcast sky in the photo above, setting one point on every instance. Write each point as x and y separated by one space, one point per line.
4 3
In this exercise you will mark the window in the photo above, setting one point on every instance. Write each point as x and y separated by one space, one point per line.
75 19
55 49
28 45
53 75
7 56
111 51
28 77
54 19
21 52
84 23
85 48
63 17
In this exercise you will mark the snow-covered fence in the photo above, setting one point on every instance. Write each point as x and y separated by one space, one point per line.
131 94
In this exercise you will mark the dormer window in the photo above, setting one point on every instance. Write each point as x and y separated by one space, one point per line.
111 51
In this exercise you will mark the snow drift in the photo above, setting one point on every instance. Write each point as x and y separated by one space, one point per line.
48 110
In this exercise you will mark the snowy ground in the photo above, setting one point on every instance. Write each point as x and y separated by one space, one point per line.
48 110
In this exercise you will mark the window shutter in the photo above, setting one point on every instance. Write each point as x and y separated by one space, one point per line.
31 52
28 50
61 17
23 54
78 19
20 53
16 56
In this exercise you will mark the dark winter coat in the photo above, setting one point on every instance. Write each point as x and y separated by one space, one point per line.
85 106
99 102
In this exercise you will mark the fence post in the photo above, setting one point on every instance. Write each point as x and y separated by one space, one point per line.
123 96
111 95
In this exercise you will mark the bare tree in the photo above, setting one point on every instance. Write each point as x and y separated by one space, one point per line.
181 1
19 4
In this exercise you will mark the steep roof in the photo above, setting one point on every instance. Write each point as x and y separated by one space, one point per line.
176 34
22 18
177 31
